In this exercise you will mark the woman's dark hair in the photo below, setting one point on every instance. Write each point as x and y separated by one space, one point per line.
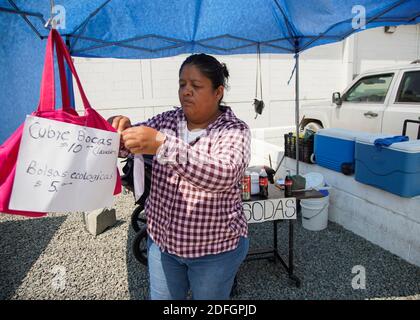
211 68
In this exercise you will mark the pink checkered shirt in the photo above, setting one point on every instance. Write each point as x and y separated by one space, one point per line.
194 207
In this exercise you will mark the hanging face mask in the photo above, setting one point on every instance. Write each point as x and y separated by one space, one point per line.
258 107
258 103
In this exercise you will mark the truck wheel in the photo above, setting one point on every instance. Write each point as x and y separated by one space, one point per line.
313 126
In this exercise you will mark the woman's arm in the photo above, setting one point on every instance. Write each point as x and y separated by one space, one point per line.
218 171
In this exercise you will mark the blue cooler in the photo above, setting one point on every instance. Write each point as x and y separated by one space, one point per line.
395 168
334 146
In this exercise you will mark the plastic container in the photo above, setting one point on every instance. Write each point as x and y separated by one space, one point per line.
315 212
395 169
306 147
255 185
314 180
335 147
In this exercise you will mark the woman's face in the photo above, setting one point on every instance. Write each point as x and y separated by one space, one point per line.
198 99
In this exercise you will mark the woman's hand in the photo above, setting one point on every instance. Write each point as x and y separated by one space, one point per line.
142 139
120 123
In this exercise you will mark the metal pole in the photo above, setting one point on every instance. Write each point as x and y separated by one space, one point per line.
69 77
297 117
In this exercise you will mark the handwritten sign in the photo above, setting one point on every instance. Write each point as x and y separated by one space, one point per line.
270 209
64 167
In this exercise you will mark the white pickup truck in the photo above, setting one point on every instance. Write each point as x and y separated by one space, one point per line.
376 101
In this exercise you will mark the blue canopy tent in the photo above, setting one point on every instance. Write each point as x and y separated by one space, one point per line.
143 29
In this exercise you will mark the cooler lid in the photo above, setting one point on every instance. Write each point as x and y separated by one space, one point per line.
369 138
341 133
412 146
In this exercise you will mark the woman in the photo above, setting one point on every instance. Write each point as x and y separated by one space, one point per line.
196 225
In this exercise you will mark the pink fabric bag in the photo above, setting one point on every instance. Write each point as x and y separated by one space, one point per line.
46 109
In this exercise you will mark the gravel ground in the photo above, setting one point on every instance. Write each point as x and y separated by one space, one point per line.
56 258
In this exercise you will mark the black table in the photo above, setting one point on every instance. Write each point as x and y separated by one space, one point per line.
272 253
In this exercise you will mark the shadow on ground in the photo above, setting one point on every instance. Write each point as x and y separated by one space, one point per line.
138 281
21 244
324 261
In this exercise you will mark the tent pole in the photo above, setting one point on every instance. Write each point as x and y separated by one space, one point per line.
297 110
69 77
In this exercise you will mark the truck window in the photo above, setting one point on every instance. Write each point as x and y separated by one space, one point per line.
409 90
372 89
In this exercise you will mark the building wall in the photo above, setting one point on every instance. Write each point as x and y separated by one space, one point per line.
143 88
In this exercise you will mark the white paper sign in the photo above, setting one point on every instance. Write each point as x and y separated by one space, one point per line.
64 167
270 209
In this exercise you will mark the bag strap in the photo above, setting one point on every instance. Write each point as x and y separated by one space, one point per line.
65 98
47 99
69 60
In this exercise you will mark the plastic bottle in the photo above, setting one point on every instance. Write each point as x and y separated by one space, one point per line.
288 183
263 181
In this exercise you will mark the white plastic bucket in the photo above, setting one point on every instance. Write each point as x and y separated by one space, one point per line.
315 213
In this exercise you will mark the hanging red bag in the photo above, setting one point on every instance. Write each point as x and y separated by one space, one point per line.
46 109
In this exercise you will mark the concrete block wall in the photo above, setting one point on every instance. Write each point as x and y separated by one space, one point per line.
385 219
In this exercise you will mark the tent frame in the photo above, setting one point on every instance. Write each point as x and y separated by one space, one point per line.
294 39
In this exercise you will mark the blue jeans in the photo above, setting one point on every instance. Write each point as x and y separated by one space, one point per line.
209 277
